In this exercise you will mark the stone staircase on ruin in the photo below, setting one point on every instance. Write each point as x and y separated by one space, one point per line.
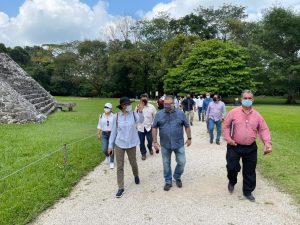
27 87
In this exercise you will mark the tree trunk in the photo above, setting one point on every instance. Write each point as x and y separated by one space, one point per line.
291 99
291 92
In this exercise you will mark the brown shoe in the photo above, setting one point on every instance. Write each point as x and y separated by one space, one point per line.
143 157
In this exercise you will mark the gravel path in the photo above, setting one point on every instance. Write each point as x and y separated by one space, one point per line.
204 198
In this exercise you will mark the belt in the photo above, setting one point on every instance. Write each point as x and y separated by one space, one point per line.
106 131
247 145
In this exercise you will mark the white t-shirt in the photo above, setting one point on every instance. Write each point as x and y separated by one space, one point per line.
199 102
105 122
149 112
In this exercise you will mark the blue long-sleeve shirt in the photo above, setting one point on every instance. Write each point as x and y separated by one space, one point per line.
206 103
124 132
170 125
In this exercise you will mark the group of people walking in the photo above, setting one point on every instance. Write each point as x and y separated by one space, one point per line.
123 131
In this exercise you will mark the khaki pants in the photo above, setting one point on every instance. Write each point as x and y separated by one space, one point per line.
120 153
190 116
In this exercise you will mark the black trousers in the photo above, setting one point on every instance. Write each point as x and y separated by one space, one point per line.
248 153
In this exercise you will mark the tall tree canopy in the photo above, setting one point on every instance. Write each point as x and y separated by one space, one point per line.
212 66
281 37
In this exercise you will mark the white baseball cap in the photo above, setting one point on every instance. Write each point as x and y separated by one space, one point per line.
108 105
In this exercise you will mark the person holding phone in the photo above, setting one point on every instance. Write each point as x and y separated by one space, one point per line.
124 136
241 127
144 129
103 130
170 123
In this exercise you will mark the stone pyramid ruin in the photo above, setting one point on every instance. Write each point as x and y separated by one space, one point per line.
22 99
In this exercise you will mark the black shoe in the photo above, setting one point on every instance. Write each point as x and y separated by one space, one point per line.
143 157
250 197
179 183
217 142
120 193
151 152
211 141
230 187
137 180
167 187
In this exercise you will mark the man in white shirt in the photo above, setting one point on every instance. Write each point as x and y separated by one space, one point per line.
144 129
199 103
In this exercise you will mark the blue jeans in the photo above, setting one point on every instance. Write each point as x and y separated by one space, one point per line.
180 159
211 124
200 114
104 144
148 135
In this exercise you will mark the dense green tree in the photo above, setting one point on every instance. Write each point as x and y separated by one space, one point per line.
92 60
281 37
3 48
154 31
19 55
219 19
127 71
64 71
212 66
192 25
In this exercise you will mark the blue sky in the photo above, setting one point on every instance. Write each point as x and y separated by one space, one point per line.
115 7
37 22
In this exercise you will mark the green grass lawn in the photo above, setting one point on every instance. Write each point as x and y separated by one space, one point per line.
283 165
26 194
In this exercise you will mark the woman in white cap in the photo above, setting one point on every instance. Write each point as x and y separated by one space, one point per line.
124 137
104 129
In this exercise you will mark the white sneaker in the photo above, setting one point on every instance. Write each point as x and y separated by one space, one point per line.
107 159
112 165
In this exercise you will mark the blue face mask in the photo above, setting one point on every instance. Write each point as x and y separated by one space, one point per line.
246 102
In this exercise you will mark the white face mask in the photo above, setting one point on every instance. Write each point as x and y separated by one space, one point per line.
207 96
106 110
128 108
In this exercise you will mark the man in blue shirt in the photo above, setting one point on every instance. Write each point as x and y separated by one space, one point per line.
188 105
170 122
206 102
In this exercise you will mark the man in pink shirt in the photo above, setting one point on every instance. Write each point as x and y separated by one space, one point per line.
241 127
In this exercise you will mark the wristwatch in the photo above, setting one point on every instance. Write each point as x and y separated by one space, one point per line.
190 138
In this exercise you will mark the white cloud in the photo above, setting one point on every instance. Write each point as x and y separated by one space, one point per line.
54 21
3 19
179 8
57 21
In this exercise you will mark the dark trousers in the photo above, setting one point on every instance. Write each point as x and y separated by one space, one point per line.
148 135
248 153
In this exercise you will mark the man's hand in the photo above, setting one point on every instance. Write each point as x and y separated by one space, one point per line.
109 151
99 136
267 149
188 142
156 147
232 142
140 107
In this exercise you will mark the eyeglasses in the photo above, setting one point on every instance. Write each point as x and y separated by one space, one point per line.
250 98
